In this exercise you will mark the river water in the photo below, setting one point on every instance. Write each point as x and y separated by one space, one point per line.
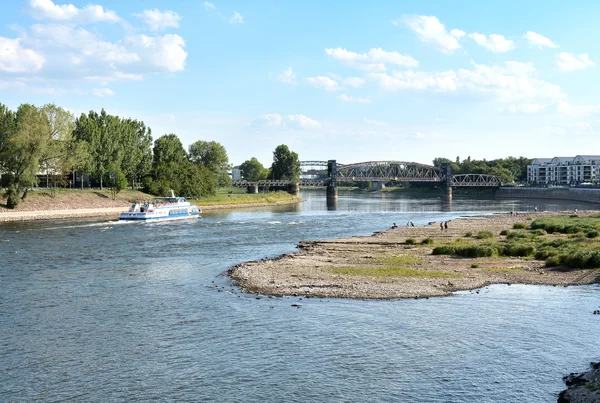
97 310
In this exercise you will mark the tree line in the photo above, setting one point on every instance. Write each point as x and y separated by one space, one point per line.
114 152
508 170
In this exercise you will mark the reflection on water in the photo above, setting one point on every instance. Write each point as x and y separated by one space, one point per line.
97 310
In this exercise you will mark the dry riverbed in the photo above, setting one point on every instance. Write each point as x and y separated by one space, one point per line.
384 266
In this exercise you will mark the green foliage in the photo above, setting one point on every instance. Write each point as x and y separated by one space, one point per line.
539 231
444 250
504 232
519 225
12 197
213 156
474 266
477 251
286 164
507 169
116 179
469 234
253 171
427 241
567 225
518 250
485 235
411 241
592 234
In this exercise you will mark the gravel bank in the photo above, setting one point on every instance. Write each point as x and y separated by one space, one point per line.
314 270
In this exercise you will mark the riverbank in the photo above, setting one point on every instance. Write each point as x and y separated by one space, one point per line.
398 263
42 205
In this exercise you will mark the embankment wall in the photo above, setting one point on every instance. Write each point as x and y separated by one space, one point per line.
573 194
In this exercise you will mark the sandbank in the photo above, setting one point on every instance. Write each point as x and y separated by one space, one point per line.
314 270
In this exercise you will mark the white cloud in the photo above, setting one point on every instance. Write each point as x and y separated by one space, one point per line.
165 52
158 20
102 92
236 18
512 82
287 76
324 83
275 120
16 59
375 122
494 42
375 59
565 108
68 13
540 41
430 30
528 108
570 62
347 98
301 122
355 82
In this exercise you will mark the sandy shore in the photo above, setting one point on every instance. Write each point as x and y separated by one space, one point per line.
313 270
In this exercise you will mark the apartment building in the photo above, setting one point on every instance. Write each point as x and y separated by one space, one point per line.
564 170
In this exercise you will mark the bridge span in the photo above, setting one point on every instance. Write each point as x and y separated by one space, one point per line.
329 173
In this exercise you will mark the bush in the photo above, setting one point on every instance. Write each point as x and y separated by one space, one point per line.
411 241
12 197
539 231
474 266
519 225
592 234
573 216
477 251
444 250
485 235
427 241
553 261
518 250
504 232
469 234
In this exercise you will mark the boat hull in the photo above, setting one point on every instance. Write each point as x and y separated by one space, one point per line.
147 217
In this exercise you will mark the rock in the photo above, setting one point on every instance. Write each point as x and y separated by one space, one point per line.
583 387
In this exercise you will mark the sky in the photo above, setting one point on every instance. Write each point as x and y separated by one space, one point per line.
353 81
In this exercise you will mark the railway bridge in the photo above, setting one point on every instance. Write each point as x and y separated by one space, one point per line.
330 173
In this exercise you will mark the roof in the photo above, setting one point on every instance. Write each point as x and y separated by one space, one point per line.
539 161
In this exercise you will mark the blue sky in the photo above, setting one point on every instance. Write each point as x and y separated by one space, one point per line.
352 81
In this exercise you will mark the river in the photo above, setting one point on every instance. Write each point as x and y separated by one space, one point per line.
99 310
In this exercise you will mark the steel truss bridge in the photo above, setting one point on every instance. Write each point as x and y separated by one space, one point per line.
379 171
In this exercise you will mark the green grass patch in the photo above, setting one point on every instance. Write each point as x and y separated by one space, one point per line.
389 271
567 225
398 260
226 199
410 241
474 266
485 235
468 234
519 225
500 270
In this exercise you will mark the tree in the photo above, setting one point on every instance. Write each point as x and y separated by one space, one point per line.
103 132
116 178
286 164
26 144
253 170
214 157
136 139
8 123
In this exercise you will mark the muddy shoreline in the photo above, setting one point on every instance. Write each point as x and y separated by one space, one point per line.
320 268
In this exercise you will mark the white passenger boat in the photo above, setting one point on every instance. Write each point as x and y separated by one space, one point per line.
161 209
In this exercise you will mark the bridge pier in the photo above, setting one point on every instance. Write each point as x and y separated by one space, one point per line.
294 189
376 185
332 193
448 193
253 188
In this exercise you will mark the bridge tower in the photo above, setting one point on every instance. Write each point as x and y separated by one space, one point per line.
447 169
332 192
